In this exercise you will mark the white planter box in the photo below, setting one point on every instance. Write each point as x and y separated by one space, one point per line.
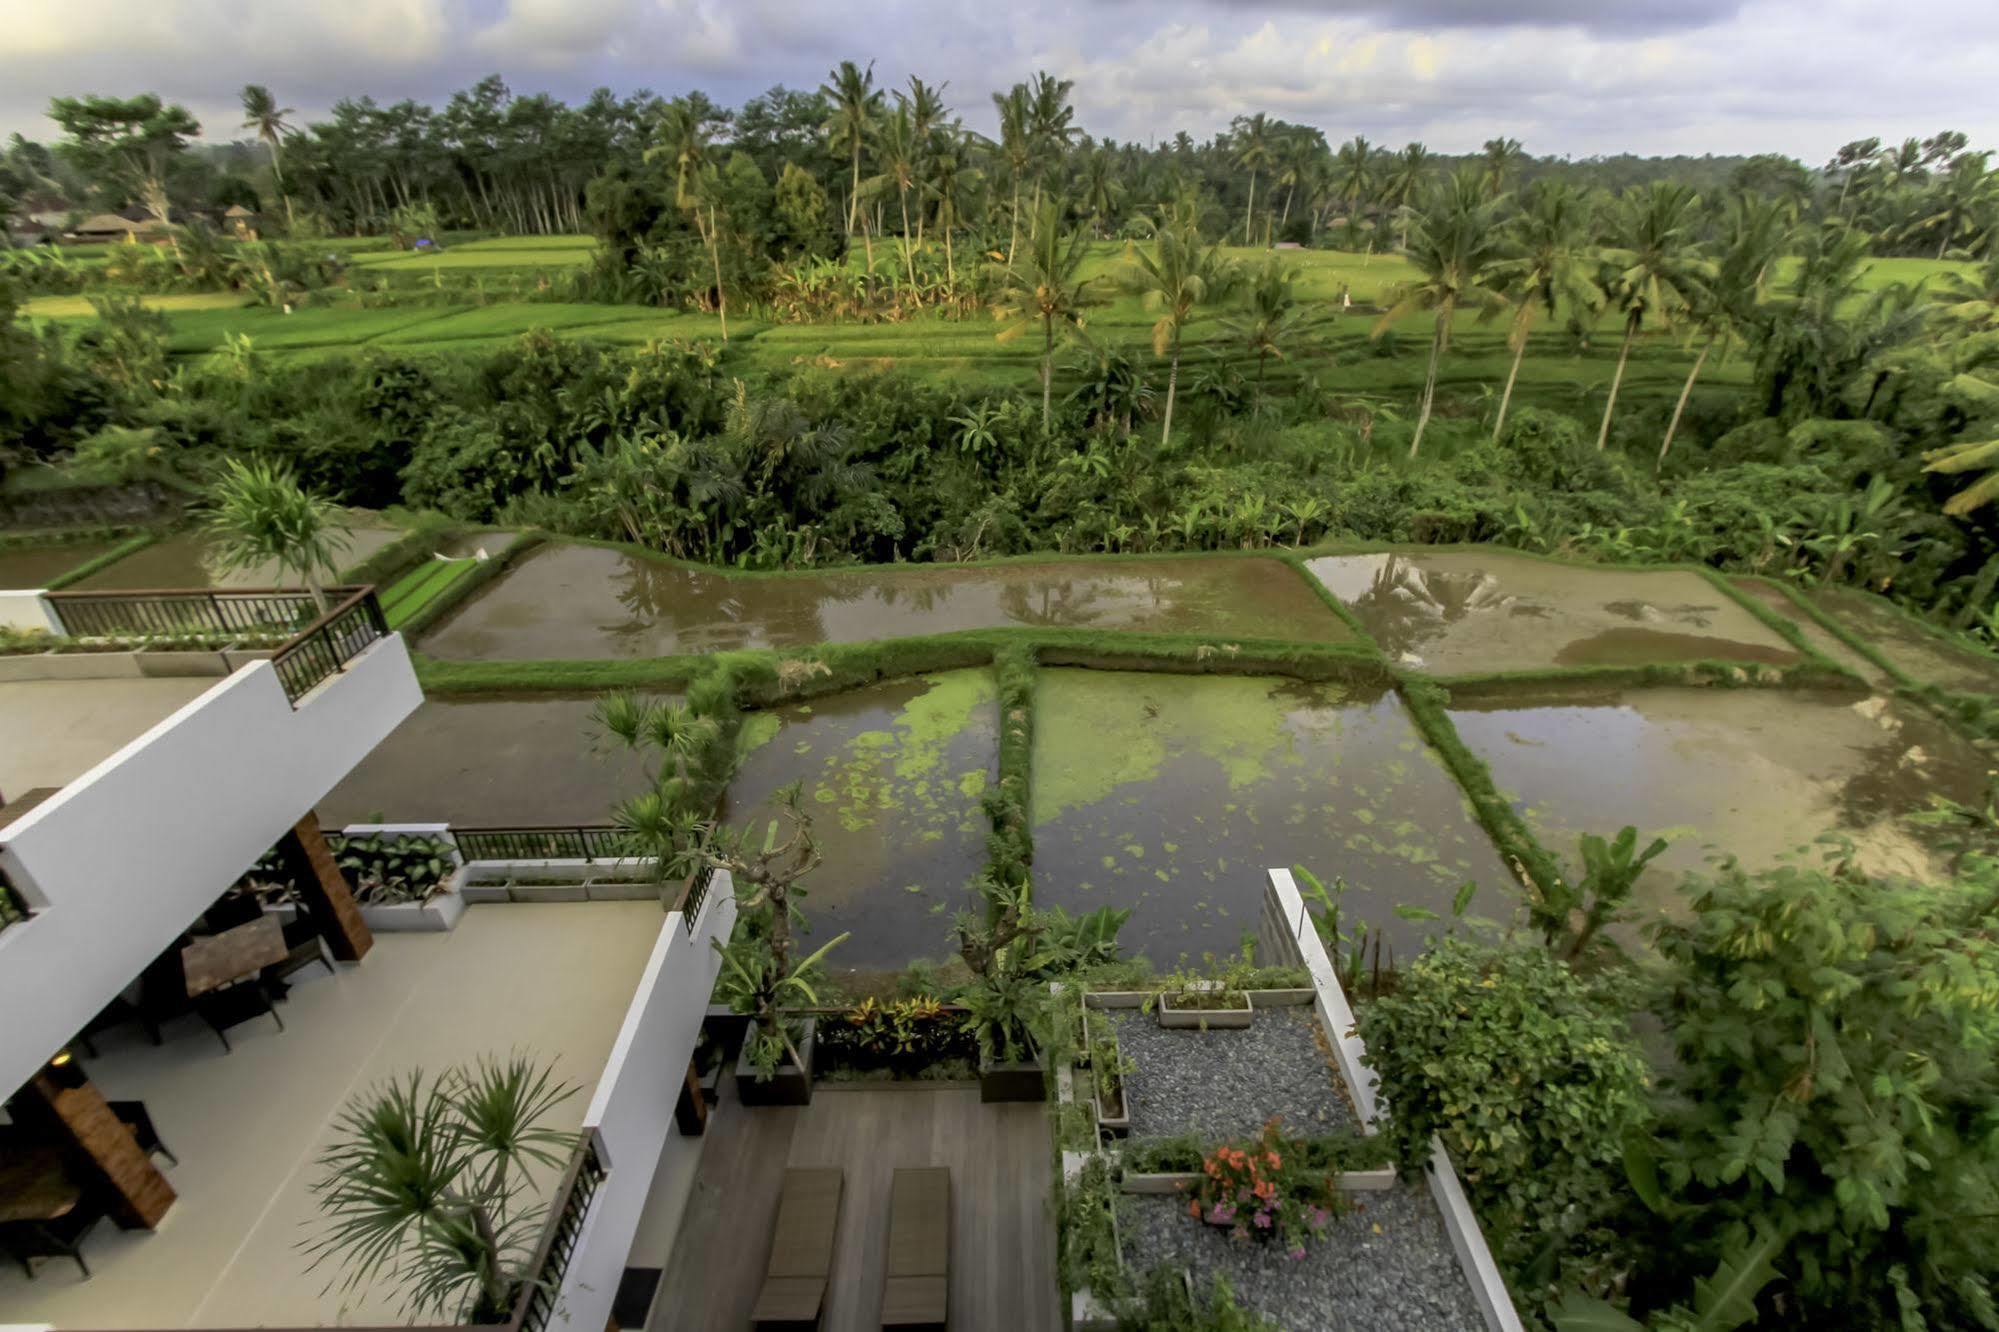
1203 1019
1365 1181
1281 998
1161 1183
439 913
604 890
548 892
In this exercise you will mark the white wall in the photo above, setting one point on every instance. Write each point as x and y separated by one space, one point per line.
633 1107
127 855
27 610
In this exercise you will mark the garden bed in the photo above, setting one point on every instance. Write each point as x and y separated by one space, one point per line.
1385 1264
1225 1084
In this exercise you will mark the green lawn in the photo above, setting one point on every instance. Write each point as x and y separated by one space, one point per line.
420 586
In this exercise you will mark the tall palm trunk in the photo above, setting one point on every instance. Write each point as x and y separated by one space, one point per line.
1616 380
1686 390
1172 386
908 257
1430 379
950 265
1013 234
1512 374
1249 213
1285 216
715 253
1047 374
854 194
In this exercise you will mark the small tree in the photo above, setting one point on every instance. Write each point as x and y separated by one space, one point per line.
1045 291
258 514
759 976
688 757
425 1185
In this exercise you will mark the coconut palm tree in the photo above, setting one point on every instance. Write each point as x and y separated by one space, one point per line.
1102 190
896 148
1043 289
257 514
1656 270
1408 172
1967 191
929 124
1016 150
1252 151
1970 299
262 114
857 103
1272 316
1051 123
427 1185
1354 177
951 187
1755 231
1454 240
1503 157
1547 268
1174 280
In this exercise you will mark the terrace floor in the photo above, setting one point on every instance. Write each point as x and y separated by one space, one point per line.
551 980
54 731
1002 1229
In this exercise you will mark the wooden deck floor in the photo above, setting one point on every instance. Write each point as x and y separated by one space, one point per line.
1002 1240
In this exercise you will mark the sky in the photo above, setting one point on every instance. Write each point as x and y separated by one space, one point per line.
1566 77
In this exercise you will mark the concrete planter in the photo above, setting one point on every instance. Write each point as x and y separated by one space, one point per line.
791 1084
240 657
69 666
1166 1182
548 892
1120 1123
1347 1181
1204 1019
1005 1083
438 914
1281 998
176 663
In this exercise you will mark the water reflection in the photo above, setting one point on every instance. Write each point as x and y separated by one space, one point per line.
586 601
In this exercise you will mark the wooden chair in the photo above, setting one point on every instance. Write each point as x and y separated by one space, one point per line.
801 1250
56 1237
917 1292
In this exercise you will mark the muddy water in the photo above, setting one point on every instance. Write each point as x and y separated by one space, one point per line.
1927 658
1752 773
587 602
1459 612
892 777
1828 646
189 561
1173 794
33 568
510 761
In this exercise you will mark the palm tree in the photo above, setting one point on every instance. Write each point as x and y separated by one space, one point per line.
927 126
1101 187
257 514
1252 151
1655 272
1755 231
1964 193
1297 149
1353 176
1051 123
1546 270
262 114
1044 289
1271 317
1971 299
896 154
682 138
1454 241
856 104
1016 148
1408 171
1503 157
950 186
1174 280
427 1184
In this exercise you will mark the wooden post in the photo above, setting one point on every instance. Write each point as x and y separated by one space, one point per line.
79 1119
309 862
690 1108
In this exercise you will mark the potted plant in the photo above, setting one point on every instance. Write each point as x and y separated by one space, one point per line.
760 978
1007 1004
1189 1000
1261 1189
1110 1070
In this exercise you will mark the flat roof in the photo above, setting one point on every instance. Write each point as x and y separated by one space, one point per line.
54 731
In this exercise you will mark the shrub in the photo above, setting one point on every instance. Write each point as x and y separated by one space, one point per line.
1531 1081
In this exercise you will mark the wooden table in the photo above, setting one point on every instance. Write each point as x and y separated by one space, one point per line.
218 959
35 1183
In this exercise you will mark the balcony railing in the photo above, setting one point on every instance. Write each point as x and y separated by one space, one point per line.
550 1263
13 908
323 648
188 612
692 894
586 842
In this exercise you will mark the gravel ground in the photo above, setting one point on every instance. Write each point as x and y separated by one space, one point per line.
1225 1084
1386 1266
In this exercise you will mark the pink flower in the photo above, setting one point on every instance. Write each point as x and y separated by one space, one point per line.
1297 1253
1263 1220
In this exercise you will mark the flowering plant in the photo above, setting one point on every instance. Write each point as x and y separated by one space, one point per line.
1259 1189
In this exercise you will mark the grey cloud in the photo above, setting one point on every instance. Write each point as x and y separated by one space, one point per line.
1622 18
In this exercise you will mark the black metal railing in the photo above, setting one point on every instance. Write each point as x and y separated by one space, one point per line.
587 842
13 907
188 612
587 1169
693 893
323 648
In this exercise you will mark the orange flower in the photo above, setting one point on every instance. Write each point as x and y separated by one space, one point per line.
1194 1210
1274 1159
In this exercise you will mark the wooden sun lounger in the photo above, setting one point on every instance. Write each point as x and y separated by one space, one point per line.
918 1290
801 1250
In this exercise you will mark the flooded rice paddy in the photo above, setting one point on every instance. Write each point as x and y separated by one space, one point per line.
892 776
567 601
1755 773
189 561
1173 794
526 760
1464 612
34 567
1926 657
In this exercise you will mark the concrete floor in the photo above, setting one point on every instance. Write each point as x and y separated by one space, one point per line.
552 981
54 731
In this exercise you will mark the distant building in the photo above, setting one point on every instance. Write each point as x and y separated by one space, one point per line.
241 221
